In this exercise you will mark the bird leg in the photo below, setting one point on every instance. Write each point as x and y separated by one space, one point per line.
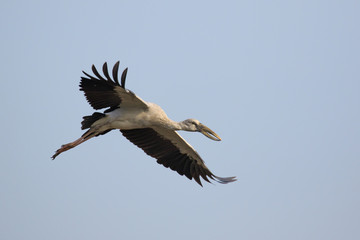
73 144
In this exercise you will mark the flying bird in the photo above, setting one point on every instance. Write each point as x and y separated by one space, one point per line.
143 123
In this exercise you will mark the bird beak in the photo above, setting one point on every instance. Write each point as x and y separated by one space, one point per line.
209 133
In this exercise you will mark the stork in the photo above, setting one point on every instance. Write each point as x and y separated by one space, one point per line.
143 123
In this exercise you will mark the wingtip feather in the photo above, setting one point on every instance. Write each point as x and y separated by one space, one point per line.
106 72
225 180
123 77
93 68
115 72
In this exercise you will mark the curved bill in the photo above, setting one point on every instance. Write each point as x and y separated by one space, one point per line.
209 133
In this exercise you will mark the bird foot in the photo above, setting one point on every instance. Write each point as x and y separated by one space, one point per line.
68 146
63 148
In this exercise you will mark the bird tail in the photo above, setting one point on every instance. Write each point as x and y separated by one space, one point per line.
89 120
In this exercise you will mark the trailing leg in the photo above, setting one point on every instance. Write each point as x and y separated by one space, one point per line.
73 144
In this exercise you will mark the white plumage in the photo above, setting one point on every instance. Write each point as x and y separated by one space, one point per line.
144 124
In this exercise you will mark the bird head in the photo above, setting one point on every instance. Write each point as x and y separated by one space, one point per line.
194 125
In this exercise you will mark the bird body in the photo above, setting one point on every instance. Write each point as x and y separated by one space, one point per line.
143 123
130 118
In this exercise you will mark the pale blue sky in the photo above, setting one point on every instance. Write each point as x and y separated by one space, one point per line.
279 81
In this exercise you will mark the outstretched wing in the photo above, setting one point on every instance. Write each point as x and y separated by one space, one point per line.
106 92
171 150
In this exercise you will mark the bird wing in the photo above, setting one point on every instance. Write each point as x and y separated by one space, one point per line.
106 92
171 150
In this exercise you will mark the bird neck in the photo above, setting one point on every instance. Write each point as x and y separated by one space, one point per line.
170 124
175 125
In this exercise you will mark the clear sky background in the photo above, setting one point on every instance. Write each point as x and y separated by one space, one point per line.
279 81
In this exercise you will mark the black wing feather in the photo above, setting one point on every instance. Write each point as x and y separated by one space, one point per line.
115 72
100 92
167 154
93 68
106 72
123 77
